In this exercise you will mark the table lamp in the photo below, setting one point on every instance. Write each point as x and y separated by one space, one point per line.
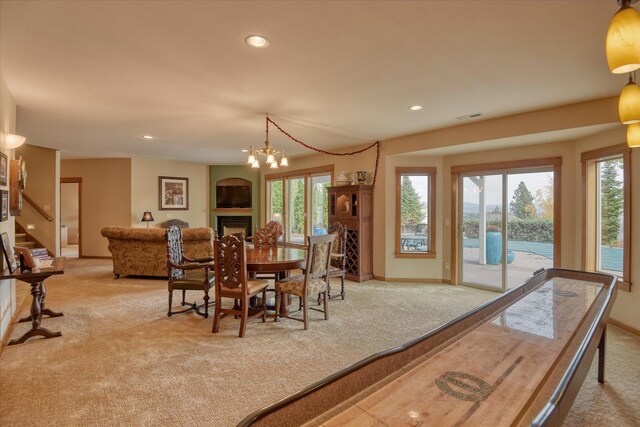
147 217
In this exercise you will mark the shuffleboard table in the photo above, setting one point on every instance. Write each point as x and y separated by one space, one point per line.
519 359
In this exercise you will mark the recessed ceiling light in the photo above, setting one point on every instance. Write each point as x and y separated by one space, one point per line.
147 137
415 107
258 42
244 150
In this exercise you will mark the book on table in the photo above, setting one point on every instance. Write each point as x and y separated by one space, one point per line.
30 259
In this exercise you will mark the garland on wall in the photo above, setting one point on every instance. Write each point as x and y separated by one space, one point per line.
319 150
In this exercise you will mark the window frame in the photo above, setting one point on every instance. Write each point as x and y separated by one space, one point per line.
590 160
306 174
431 211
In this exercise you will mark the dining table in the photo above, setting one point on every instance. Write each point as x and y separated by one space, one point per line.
279 260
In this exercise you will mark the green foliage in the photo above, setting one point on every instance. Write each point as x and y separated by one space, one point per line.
298 206
319 204
411 213
612 200
535 230
276 197
544 200
522 203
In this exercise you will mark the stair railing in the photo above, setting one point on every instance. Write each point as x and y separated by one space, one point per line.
36 207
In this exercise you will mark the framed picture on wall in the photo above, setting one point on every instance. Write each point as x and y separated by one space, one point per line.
4 169
5 205
174 193
8 252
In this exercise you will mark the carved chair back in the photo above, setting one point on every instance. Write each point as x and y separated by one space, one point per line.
340 244
174 252
267 237
230 256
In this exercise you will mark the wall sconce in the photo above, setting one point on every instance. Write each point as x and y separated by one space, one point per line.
147 217
14 141
623 39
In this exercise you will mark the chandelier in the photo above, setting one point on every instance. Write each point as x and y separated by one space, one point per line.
267 151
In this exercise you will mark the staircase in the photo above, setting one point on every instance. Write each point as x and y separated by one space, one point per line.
23 238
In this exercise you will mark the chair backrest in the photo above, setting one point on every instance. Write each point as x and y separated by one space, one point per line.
319 255
339 245
267 237
230 256
173 237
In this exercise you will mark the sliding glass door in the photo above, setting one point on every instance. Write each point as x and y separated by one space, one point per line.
506 227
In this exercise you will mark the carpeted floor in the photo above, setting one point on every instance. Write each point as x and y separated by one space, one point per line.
121 361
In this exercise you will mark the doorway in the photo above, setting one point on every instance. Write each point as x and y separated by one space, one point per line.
70 217
508 224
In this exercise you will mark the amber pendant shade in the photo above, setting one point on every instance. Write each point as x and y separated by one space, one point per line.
629 103
633 135
623 41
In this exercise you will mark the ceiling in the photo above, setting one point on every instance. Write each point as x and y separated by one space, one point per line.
90 78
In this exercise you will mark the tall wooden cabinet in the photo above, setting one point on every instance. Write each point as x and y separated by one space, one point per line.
352 205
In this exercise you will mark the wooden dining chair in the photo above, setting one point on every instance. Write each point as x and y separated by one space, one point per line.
187 274
230 255
315 280
268 236
337 266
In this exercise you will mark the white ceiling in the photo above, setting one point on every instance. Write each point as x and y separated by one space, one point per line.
90 78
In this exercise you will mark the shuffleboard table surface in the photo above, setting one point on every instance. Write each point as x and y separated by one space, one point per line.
487 377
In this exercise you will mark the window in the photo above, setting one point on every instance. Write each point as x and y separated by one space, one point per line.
319 201
415 212
275 207
298 200
607 189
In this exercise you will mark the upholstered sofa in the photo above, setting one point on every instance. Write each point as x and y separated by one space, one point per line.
143 252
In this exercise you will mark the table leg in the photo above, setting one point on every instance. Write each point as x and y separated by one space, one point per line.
284 300
43 310
37 290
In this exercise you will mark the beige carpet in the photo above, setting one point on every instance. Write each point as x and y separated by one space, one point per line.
121 361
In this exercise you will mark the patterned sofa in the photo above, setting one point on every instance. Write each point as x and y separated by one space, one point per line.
143 252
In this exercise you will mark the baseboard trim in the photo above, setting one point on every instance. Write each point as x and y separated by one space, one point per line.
409 280
95 257
14 320
624 326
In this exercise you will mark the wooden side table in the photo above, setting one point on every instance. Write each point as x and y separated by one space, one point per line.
36 279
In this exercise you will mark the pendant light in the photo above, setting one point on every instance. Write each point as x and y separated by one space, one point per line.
629 103
267 151
633 135
623 39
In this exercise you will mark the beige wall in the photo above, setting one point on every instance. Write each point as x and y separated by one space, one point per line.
145 175
7 287
106 199
69 210
437 148
42 178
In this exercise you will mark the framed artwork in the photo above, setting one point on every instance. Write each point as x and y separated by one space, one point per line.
174 193
4 169
8 252
5 205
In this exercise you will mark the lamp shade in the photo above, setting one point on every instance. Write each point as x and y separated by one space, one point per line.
147 217
623 41
14 141
633 135
629 103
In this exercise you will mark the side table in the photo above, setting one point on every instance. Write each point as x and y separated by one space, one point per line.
36 278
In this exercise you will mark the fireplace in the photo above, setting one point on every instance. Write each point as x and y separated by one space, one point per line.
234 224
